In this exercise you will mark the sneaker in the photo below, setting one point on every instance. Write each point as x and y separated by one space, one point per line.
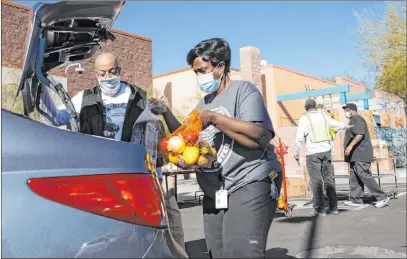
314 213
382 203
332 211
353 204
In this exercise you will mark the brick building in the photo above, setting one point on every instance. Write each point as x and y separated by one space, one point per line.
134 52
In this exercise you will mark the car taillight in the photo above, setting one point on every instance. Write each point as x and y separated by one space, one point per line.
133 198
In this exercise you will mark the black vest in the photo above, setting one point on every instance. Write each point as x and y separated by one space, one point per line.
91 120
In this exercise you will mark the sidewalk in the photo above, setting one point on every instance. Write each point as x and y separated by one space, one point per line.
354 233
187 188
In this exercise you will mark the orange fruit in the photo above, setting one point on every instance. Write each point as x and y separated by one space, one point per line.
173 158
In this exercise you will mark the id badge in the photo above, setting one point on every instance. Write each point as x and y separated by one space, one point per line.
274 193
221 199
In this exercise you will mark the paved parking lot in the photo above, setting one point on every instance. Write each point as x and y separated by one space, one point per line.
364 232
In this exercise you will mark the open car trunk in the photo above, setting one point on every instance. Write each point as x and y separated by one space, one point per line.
60 33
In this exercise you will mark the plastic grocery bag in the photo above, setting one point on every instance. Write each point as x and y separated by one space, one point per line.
148 130
185 149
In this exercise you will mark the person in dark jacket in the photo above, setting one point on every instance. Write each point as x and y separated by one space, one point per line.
110 110
359 155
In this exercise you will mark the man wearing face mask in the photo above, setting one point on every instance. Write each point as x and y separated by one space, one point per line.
359 155
110 110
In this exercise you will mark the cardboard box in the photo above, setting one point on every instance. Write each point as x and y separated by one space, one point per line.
381 152
339 152
398 122
368 116
385 166
380 148
385 120
380 143
295 187
296 191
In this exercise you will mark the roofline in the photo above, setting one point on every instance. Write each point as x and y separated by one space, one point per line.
300 73
172 72
112 30
16 5
131 35
183 70
20 66
350 80
391 95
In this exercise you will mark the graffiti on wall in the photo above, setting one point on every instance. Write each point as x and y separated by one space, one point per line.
386 105
396 140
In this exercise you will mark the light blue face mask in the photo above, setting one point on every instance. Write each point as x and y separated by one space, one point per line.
110 86
207 82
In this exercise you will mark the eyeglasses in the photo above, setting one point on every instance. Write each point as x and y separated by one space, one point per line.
115 71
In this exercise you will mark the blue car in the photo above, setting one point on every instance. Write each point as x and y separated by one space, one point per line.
67 194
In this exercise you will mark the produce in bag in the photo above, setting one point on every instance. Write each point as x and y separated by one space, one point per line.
148 131
185 149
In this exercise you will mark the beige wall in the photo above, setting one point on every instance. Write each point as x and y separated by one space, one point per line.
185 93
287 134
236 75
270 93
285 81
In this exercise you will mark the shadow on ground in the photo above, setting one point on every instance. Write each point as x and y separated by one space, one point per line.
278 252
186 200
197 249
187 204
300 219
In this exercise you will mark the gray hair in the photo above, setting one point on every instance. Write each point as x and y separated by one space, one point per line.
310 104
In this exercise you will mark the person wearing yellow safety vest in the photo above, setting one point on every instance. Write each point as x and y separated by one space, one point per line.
320 107
313 128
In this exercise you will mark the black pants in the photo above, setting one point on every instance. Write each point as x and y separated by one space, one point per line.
240 231
174 217
321 173
360 176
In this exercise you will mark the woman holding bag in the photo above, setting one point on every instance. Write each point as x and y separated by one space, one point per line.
239 196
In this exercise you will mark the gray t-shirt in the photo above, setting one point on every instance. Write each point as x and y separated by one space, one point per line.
236 164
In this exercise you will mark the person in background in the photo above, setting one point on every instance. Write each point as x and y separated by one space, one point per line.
110 110
313 128
359 155
237 125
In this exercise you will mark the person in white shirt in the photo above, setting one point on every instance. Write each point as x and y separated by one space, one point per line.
313 128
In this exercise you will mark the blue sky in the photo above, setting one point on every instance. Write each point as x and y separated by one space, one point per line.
310 37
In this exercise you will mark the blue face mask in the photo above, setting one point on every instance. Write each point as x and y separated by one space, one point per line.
110 86
207 82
